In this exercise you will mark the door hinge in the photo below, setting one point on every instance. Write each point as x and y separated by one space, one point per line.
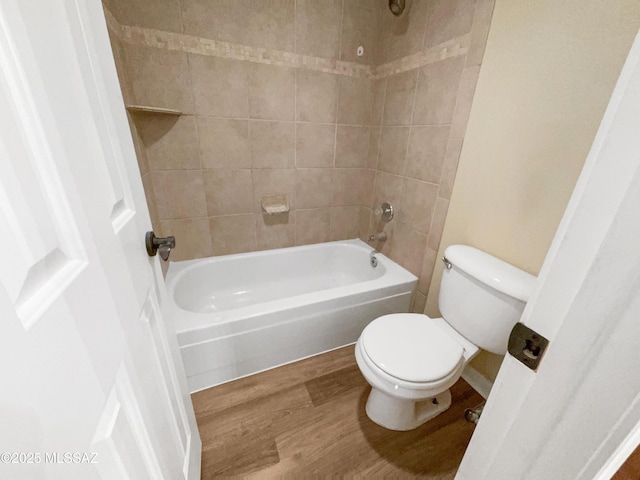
527 346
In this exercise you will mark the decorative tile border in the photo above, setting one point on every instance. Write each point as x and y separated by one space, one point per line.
179 42
233 51
452 48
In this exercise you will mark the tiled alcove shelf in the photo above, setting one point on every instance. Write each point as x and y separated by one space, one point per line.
148 109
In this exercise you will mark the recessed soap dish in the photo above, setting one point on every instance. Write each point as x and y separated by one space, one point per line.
274 204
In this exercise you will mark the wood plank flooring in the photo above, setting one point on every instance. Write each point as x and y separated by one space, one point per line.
308 419
630 469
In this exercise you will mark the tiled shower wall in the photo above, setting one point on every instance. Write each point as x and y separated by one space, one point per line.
275 100
251 128
421 116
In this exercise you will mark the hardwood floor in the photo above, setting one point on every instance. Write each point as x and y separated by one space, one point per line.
630 469
308 419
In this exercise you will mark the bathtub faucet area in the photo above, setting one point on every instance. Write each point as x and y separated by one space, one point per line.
373 261
382 236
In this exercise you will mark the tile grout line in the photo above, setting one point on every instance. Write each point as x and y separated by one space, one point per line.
333 167
372 216
251 153
426 25
295 140
270 120
342 7
335 137
449 138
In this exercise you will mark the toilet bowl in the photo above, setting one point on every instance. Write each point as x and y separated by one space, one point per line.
411 360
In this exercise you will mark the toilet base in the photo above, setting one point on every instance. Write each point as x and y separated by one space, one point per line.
400 414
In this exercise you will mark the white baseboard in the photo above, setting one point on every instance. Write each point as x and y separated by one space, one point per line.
478 382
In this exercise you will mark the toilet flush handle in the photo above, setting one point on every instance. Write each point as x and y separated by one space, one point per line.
447 263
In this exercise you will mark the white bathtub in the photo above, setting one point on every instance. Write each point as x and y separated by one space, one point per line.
240 314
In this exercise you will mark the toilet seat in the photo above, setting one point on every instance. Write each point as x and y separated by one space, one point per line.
411 349
401 388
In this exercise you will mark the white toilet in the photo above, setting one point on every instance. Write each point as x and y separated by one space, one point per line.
411 360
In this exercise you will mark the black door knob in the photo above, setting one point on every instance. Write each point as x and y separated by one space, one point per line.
164 245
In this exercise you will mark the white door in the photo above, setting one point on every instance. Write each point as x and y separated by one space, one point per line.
577 417
91 382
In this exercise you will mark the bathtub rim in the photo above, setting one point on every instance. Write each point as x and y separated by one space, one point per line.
395 278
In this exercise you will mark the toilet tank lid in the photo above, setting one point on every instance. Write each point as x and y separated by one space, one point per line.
492 271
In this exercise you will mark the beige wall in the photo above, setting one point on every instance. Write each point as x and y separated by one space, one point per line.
547 75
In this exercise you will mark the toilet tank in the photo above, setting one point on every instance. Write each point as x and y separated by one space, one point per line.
482 297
